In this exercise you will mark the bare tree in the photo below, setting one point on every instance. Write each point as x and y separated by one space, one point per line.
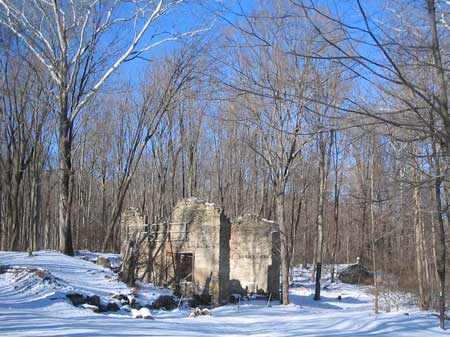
75 43
404 67
338 176
23 115
159 96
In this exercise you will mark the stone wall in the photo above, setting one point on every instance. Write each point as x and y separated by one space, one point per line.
207 239
132 222
199 252
133 226
254 260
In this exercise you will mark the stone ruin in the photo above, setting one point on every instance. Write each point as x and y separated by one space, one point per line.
132 223
199 243
133 233
200 253
254 257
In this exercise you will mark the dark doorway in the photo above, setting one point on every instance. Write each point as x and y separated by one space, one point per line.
185 266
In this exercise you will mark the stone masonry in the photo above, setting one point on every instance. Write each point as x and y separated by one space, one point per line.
206 241
254 257
134 227
132 223
199 252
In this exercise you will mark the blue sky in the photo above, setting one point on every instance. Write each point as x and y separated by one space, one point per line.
198 14
191 16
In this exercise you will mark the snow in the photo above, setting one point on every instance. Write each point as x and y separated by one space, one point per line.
141 313
73 274
34 304
114 259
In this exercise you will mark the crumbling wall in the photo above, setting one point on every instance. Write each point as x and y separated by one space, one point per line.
136 240
157 263
199 252
207 239
132 222
254 260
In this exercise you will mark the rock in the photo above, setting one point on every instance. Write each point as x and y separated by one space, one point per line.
94 300
121 297
197 312
125 308
3 268
235 298
356 274
200 312
92 303
104 262
200 300
102 308
42 273
235 287
136 305
165 302
123 300
76 299
131 300
112 307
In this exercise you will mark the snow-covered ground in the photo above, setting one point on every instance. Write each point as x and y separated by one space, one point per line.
34 304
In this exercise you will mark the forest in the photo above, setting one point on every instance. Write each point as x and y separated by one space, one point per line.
330 118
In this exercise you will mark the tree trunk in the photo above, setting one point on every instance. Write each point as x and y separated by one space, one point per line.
336 207
419 245
443 112
336 233
319 253
372 220
284 249
15 220
323 172
65 168
441 246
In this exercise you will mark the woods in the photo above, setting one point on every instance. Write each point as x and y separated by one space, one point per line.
335 126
